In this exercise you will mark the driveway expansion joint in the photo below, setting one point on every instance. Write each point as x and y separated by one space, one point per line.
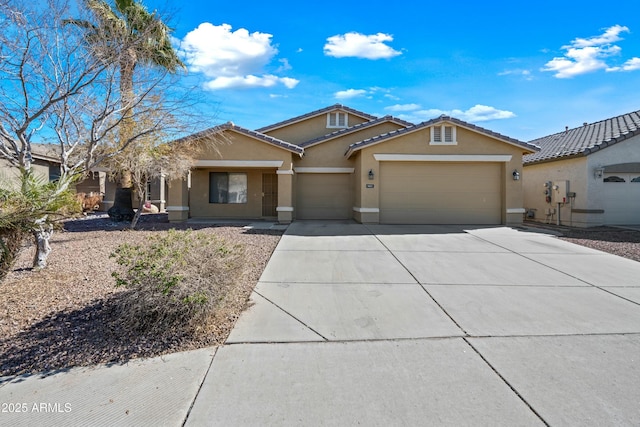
517 393
292 316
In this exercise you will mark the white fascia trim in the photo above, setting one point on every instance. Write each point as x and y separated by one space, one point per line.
366 210
284 172
240 163
177 208
324 170
515 210
443 157
284 209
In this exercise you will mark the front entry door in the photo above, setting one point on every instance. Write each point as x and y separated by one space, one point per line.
269 194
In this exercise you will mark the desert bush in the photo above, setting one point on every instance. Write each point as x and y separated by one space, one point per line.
23 210
176 280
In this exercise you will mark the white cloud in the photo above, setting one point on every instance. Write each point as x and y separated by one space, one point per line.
285 65
631 65
231 59
477 113
360 46
350 93
249 81
587 55
403 107
610 35
526 74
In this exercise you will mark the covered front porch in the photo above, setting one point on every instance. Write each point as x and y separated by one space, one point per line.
217 189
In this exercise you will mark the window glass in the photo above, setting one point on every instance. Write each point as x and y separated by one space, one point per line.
218 187
237 191
614 179
437 134
448 134
337 120
227 187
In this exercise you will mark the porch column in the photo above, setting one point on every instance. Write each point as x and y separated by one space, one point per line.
163 196
285 196
178 200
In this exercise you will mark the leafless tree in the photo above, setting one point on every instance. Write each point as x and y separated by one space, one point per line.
57 87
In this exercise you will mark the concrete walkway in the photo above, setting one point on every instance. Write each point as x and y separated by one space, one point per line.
391 325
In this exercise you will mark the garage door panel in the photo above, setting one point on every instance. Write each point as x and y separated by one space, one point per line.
440 193
323 196
621 200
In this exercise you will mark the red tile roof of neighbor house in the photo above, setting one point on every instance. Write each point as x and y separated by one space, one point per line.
254 134
316 113
377 139
586 139
355 128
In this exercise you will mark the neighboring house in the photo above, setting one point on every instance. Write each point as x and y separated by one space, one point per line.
340 163
45 166
592 174
157 190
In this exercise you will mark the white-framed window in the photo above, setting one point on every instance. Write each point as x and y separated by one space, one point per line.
443 135
337 119
227 187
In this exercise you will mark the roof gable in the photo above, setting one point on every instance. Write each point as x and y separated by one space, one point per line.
442 119
312 114
355 128
230 126
586 139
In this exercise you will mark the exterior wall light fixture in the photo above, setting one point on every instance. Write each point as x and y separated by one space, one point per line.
516 175
371 175
597 172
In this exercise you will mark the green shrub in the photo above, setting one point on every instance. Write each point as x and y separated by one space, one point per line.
177 280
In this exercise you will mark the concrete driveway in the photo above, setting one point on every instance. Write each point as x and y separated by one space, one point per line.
431 325
388 325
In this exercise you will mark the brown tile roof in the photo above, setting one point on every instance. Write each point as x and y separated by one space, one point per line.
355 128
586 139
314 114
394 134
254 134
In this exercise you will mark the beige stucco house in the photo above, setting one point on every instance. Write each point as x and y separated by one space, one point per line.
45 166
340 163
587 176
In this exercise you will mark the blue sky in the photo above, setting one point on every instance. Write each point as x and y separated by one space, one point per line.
524 71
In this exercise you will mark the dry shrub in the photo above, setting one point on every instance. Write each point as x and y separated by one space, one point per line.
176 281
11 241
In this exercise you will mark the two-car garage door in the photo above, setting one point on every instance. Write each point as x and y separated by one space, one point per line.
440 193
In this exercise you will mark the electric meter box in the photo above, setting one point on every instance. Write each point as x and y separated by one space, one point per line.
560 190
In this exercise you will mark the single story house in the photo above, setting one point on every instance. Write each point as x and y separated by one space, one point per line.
587 176
340 163
46 166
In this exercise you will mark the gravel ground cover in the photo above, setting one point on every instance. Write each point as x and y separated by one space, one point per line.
624 242
63 316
